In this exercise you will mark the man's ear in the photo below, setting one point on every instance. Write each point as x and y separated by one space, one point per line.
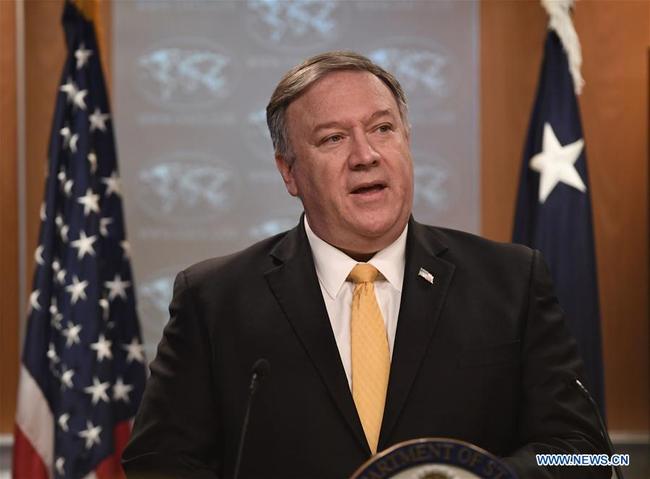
285 167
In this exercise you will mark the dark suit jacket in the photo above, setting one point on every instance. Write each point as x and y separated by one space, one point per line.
481 355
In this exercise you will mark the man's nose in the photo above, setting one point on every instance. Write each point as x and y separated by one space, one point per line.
363 153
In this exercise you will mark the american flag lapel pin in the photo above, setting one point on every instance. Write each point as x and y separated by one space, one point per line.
423 273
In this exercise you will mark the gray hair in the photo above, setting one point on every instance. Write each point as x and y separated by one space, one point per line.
302 76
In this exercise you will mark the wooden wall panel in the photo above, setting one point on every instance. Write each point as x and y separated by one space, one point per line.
8 218
512 33
615 38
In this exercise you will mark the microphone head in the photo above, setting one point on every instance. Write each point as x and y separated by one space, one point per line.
261 368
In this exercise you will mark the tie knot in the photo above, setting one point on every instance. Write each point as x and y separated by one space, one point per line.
363 273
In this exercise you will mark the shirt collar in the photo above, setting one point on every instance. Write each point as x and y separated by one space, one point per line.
333 266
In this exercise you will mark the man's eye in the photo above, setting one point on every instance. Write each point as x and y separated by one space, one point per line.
385 128
333 139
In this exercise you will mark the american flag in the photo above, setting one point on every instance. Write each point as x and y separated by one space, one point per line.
83 367
554 206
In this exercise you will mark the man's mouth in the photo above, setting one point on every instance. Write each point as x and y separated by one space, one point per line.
368 188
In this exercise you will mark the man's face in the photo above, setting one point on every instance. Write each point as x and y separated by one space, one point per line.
352 168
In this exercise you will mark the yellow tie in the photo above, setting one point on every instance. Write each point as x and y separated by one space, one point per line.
370 355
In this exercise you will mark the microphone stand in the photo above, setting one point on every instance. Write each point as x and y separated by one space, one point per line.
603 429
259 370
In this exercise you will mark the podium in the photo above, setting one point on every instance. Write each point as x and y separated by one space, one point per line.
434 458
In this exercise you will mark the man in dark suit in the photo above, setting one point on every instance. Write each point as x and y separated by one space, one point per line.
451 335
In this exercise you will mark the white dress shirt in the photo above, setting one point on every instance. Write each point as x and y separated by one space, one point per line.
333 267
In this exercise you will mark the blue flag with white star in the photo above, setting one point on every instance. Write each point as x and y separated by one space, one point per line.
553 212
83 368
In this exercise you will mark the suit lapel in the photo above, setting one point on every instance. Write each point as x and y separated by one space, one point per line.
420 308
295 286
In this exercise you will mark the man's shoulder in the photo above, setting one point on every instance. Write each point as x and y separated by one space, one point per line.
469 250
470 242
253 259
486 266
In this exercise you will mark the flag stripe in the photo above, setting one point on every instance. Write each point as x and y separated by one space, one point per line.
27 462
34 418
111 468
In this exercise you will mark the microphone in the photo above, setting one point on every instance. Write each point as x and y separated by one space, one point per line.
260 369
603 429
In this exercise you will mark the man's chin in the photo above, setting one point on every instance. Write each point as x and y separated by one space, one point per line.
379 228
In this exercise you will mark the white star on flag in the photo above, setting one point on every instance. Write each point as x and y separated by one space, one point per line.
55 314
67 187
84 245
98 391
60 276
92 159
556 163
64 233
61 174
41 213
33 300
73 142
66 378
126 247
63 421
112 184
121 391
71 334
60 465
91 434
117 287
56 322
135 351
77 289
90 202
79 99
98 120
103 348
103 225
38 255
66 134
105 305
51 354
70 89
82 54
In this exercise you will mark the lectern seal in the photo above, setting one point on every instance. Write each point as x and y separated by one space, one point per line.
434 458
